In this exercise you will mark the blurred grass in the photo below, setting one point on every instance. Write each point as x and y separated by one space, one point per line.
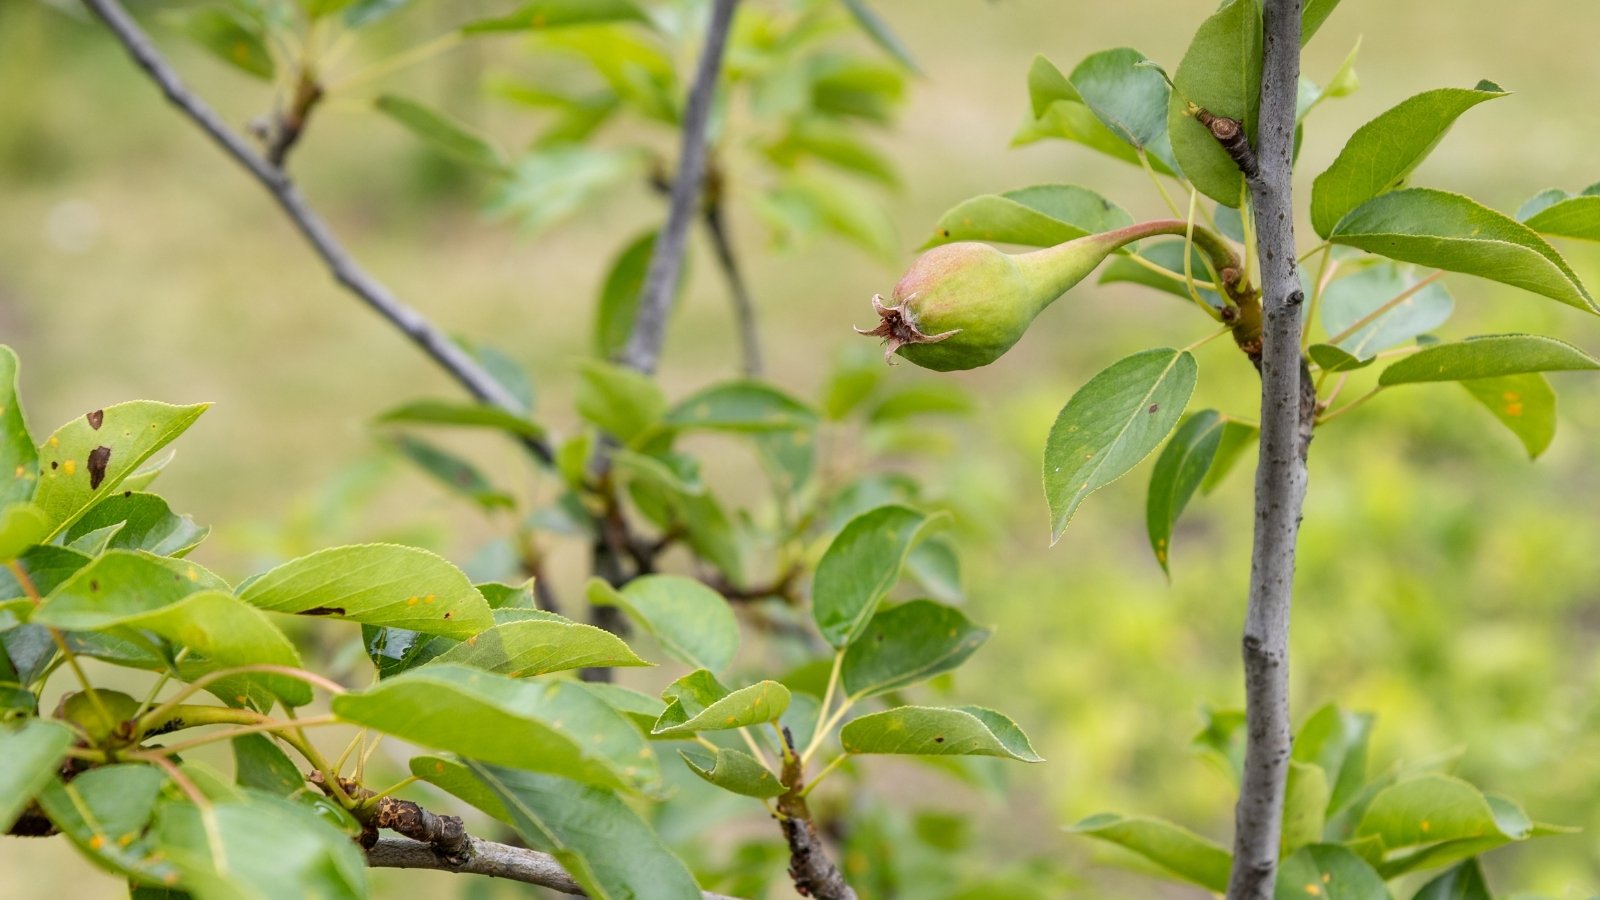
1445 583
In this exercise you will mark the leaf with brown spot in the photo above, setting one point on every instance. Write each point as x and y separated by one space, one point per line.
99 458
96 418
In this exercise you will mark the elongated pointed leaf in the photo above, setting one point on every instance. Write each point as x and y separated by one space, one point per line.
1177 475
19 458
444 134
464 415
1328 872
1039 216
1336 359
29 755
583 827
932 731
859 569
733 770
455 474
1221 72
261 764
906 645
1347 301
375 584
539 15
753 705
619 295
692 622
1111 424
1128 95
537 646
1456 233
1574 217
1305 804
231 37
1433 809
1526 404
556 727
1490 356
880 32
1381 153
105 813
148 524
1336 741
259 847
86 460
1311 18
1186 855
1237 439
741 407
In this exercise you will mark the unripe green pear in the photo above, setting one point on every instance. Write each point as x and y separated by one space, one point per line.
101 721
963 305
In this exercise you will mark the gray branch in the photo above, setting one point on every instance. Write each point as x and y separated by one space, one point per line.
643 350
1286 420
449 355
485 858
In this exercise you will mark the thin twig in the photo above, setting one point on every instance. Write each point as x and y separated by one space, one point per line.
345 270
643 350
813 872
486 858
1288 409
744 309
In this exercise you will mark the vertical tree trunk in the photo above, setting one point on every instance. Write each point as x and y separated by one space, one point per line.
1286 420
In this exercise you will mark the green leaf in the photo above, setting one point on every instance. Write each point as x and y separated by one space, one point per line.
733 770
860 567
1305 804
451 774
1452 232
19 459
692 622
1436 809
881 33
230 37
105 813
1311 18
921 398
465 415
621 402
1349 300
1221 72
1575 217
641 708
906 645
834 143
583 827
454 473
761 702
1177 475
1328 872
742 407
1058 112
1464 882
1526 404
836 207
29 755
537 646
444 134
936 568
555 726
260 763
543 14
554 182
148 524
619 296
1336 741
1489 356
1343 83
1383 152
1334 359
375 584
1130 96
1186 855
22 525
1040 216
930 731
365 12
259 848
1168 255
1237 437
87 459
511 375
1111 424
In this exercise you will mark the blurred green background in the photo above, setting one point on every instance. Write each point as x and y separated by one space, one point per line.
1445 583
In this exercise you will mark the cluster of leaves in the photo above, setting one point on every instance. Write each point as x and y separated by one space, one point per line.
1347 832
94 568
1375 293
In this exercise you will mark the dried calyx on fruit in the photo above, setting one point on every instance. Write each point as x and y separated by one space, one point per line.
963 305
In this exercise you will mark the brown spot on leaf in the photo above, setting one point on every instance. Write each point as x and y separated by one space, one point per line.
94 585
99 457
938 740
96 418
322 611
1154 407
54 464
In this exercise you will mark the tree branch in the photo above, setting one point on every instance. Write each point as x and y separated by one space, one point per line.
744 308
643 350
449 355
1286 420
813 873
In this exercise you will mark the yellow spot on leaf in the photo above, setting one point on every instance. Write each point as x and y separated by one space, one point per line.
438 767
1426 825
69 466
1313 889
55 441
193 574
97 842
428 599
1513 409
